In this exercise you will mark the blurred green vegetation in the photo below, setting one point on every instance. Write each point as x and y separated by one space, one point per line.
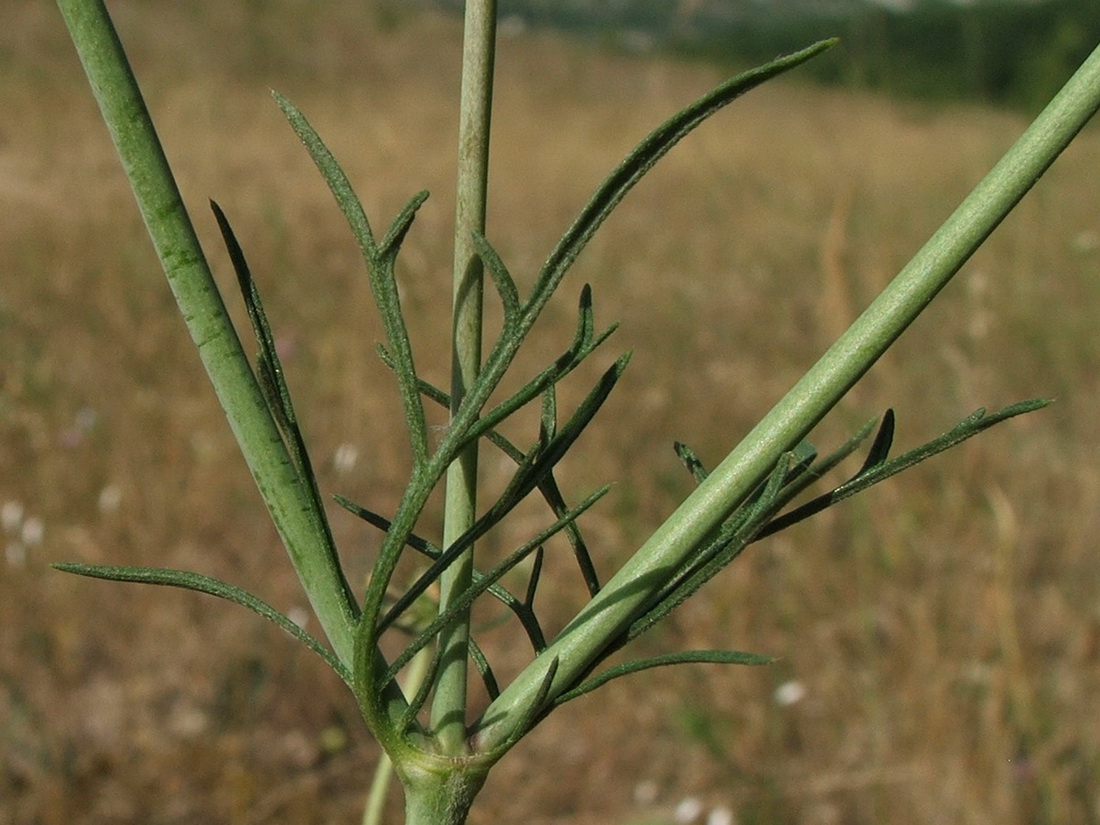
1005 52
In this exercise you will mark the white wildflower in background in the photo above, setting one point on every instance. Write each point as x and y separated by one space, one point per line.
721 816
790 693
33 531
11 516
345 458
25 532
299 615
688 810
110 498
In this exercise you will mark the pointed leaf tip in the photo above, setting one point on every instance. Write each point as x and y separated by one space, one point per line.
200 583
880 447
721 657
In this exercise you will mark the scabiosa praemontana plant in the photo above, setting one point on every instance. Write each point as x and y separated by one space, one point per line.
415 702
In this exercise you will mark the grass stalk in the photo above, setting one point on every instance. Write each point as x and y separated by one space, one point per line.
448 716
818 391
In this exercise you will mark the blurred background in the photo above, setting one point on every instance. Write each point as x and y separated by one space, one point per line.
1013 52
938 638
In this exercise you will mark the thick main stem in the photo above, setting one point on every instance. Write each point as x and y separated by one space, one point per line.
448 718
440 794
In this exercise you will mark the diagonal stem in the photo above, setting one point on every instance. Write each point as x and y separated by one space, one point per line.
448 717
662 556
284 491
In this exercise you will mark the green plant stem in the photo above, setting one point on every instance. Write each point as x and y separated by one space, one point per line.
379 791
383 774
448 716
440 793
629 591
189 276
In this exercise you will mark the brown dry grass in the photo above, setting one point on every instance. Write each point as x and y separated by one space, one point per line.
945 628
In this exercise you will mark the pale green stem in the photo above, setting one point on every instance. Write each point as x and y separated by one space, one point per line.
383 774
663 554
440 793
379 791
448 716
220 349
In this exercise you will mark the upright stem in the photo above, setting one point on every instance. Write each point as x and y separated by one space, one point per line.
448 719
440 794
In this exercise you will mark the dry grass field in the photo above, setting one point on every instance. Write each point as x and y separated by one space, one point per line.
939 637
